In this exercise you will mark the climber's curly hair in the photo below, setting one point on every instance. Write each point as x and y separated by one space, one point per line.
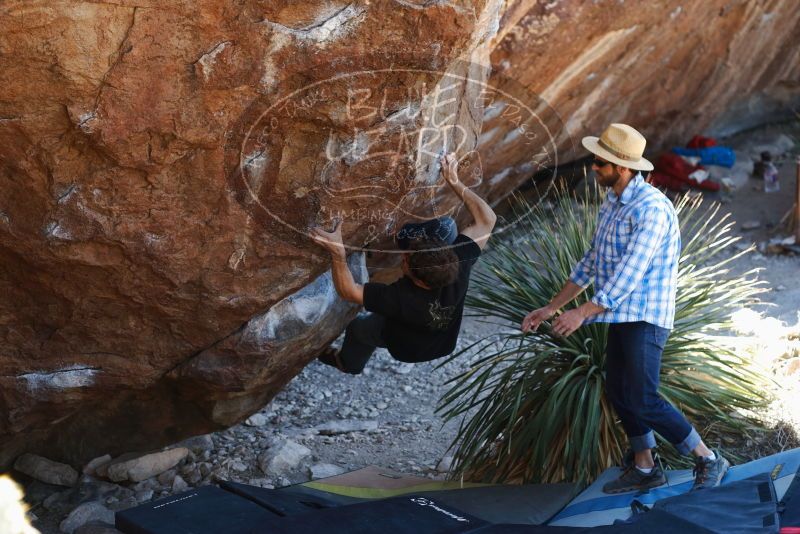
434 263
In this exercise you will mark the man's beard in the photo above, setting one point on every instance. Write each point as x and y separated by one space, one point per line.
607 181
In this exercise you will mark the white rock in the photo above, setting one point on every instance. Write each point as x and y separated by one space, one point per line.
198 444
205 469
166 478
146 466
445 464
91 467
323 470
89 511
751 225
403 368
144 485
55 499
46 470
343 427
256 419
194 477
144 495
283 457
179 484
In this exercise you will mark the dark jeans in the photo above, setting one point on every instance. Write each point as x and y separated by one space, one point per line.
633 364
361 338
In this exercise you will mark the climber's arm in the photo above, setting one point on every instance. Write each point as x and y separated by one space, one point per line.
343 280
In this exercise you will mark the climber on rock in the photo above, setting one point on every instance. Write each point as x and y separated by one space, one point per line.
418 317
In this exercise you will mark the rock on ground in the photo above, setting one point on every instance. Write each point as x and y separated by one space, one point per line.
86 512
256 420
146 466
332 428
283 457
325 470
198 444
91 467
46 470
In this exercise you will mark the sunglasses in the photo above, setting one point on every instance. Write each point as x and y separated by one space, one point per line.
599 163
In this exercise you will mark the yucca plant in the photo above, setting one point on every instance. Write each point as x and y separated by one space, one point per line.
532 406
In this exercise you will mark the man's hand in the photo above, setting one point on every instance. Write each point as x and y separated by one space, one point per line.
331 241
449 170
568 322
536 317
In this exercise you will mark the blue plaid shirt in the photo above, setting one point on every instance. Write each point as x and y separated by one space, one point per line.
633 259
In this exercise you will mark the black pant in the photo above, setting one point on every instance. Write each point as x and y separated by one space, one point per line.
362 337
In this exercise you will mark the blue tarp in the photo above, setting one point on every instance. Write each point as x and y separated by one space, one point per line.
714 155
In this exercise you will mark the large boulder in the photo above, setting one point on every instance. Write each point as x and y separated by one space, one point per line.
161 164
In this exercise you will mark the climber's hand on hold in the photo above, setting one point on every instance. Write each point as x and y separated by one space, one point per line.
330 241
449 169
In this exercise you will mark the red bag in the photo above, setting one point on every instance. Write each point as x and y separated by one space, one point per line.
678 169
698 141
663 181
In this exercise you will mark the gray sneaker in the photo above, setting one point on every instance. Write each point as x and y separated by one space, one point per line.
628 459
709 473
632 479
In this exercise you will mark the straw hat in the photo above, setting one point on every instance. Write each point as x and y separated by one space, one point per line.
620 144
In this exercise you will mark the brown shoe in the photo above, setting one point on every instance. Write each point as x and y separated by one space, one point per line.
330 356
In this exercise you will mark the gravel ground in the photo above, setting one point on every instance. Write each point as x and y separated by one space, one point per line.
390 408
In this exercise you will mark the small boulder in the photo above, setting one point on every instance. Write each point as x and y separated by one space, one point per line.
144 495
86 512
179 485
445 464
147 465
46 470
332 428
283 457
256 419
194 477
322 470
93 465
167 477
198 444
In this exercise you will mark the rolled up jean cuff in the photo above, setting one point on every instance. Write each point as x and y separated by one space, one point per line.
688 445
644 442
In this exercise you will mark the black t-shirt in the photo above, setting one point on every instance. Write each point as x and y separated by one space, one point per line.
423 324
